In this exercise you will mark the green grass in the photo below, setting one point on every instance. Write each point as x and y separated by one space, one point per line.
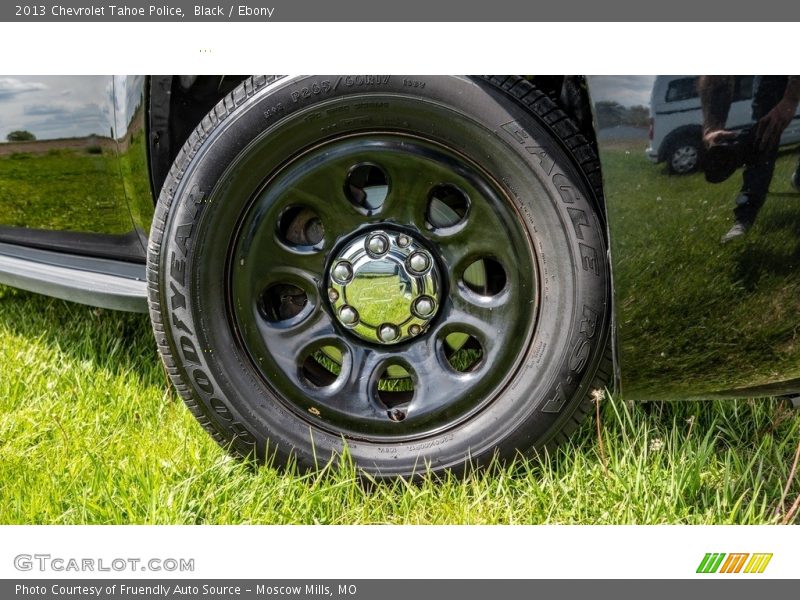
63 189
90 432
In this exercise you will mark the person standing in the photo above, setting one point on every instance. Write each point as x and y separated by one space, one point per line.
774 105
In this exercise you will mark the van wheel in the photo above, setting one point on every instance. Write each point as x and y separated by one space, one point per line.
684 154
409 268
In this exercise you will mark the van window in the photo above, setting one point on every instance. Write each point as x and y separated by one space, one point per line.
682 89
686 88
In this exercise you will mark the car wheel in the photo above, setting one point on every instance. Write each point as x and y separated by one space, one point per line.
411 268
684 155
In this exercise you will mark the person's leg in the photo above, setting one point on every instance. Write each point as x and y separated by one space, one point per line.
756 178
758 171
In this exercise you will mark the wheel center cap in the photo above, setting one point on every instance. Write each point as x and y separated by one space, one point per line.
384 286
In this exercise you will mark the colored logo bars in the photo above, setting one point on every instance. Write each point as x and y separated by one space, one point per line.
719 562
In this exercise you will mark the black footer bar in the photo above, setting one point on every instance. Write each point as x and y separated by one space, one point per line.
729 588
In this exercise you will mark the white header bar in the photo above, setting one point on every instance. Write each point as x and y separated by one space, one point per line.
423 48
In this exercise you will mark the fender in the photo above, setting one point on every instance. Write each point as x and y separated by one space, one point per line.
695 318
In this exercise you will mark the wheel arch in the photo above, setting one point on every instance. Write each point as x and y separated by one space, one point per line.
175 105
694 131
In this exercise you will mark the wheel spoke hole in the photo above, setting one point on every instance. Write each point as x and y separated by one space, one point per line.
300 226
395 391
323 366
367 186
463 351
447 206
283 301
485 277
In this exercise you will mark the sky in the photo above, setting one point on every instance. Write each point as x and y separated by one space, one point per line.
628 90
56 106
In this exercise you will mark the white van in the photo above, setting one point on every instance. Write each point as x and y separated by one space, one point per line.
676 120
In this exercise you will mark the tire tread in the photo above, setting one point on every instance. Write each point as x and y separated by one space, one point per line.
558 122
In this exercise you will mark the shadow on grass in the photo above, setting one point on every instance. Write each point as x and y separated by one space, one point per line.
754 260
117 342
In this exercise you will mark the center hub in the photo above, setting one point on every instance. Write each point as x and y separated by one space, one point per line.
384 286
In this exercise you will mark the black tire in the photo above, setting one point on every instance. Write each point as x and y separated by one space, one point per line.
684 153
241 315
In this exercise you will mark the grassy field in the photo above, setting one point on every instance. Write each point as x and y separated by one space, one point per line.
68 189
90 432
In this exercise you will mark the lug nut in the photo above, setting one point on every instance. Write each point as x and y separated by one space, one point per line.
377 245
403 240
414 330
388 333
419 262
343 272
424 307
348 315
333 295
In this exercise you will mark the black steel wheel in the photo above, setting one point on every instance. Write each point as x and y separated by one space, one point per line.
411 267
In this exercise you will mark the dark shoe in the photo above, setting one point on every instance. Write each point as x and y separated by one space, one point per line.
739 229
721 160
